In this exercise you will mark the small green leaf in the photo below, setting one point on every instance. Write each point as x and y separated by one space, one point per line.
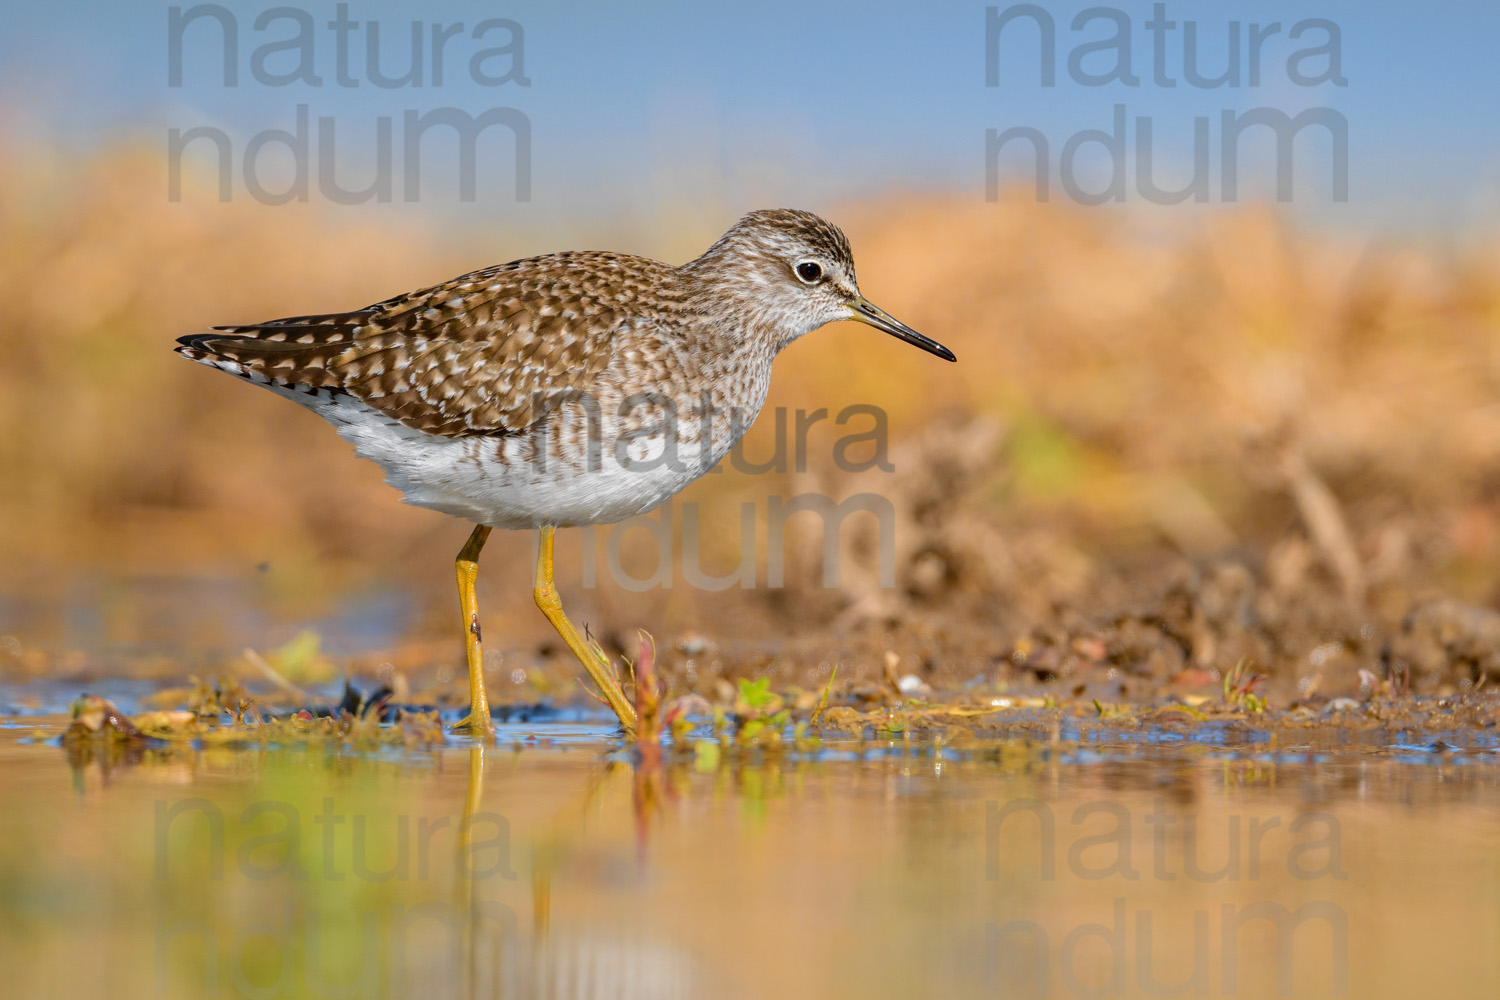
756 693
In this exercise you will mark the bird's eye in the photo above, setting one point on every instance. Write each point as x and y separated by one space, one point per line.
809 271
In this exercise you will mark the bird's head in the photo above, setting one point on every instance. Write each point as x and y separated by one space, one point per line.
790 272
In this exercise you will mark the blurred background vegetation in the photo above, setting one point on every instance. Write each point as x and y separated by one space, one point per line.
1132 395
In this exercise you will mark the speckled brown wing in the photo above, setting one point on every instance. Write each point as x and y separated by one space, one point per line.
487 353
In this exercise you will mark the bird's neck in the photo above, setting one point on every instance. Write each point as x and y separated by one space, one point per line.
728 296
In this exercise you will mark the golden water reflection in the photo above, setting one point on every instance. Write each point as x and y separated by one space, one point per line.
870 870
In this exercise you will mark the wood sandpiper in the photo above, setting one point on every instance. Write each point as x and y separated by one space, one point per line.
560 390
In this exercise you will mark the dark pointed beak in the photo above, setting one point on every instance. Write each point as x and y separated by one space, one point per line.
865 311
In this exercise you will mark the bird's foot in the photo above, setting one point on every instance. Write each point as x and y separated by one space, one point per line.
480 727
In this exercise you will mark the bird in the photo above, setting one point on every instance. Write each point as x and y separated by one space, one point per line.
571 388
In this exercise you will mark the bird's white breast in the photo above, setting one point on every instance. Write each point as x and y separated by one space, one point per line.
526 481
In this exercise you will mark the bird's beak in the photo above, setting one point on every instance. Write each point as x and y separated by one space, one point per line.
865 311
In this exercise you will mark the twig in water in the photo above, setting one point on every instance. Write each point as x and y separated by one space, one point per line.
274 676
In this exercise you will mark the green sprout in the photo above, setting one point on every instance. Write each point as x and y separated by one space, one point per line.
1239 689
757 693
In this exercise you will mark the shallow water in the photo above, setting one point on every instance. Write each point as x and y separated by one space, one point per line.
864 869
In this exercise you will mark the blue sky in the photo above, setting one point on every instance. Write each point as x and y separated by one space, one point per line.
643 109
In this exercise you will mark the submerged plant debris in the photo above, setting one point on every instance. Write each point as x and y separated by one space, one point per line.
756 718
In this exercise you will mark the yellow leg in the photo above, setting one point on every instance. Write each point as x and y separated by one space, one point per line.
477 722
551 605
